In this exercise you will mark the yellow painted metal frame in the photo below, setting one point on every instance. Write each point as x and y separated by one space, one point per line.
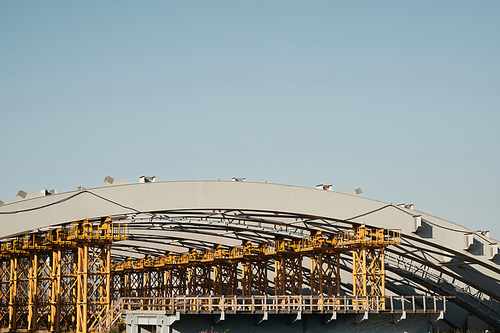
63 279
59 279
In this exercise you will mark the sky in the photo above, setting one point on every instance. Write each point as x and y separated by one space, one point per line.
400 98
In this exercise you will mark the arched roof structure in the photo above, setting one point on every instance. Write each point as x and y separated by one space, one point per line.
436 256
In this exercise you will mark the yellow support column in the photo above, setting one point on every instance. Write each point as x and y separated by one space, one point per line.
175 280
106 294
117 285
199 282
32 296
376 277
288 275
156 283
68 295
94 272
81 303
246 276
43 290
359 272
98 283
13 295
225 278
325 274
55 296
167 278
4 292
22 296
254 277
369 275
136 284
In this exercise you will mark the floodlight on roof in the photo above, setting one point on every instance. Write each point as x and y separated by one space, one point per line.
239 179
46 192
111 181
356 191
325 187
146 179
22 195
407 206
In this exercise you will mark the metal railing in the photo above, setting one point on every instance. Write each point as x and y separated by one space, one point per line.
271 304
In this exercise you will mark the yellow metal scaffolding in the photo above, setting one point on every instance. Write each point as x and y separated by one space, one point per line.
58 280
213 272
64 280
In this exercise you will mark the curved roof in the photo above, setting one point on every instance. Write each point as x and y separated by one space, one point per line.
175 216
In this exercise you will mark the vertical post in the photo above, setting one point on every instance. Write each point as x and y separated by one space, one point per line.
359 271
288 275
225 278
68 297
325 274
246 278
254 276
175 280
82 285
32 291
316 278
167 278
126 284
96 284
279 278
13 294
376 275
107 294
382 278
55 296
359 274
199 280
4 292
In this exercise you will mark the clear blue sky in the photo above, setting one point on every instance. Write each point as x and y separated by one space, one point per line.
400 98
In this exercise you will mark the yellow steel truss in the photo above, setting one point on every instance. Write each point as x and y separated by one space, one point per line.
288 275
191 273
40 289
58 280
4 291
63 279
368 259
175 281
94 284
254 277
325 274
20 299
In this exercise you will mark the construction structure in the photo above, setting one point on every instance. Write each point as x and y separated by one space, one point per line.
78 261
